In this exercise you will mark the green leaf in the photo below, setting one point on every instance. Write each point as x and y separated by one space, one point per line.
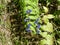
58 2
33 17
57 12
45 9
48 27
1 6
48 39
43 42
45 19
50 16
44 34
33 29
58 41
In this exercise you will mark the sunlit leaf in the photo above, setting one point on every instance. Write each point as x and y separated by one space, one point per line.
48 27
45 19
45 9
33 29
50 16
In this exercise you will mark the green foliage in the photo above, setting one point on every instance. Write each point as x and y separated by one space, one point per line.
48 27
58 2
46 30
1 8
44 23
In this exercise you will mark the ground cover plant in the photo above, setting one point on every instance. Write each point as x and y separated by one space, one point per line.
29 22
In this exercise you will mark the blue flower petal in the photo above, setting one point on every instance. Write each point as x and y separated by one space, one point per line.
29 25
36 22
38 31
26 20
28 11
28 30
38 26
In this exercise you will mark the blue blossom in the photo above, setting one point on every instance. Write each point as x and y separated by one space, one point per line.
28 11
29 25
26 20
38 31
28 30
36 22
38 26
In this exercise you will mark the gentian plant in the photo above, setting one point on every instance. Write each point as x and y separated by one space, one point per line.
31 13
